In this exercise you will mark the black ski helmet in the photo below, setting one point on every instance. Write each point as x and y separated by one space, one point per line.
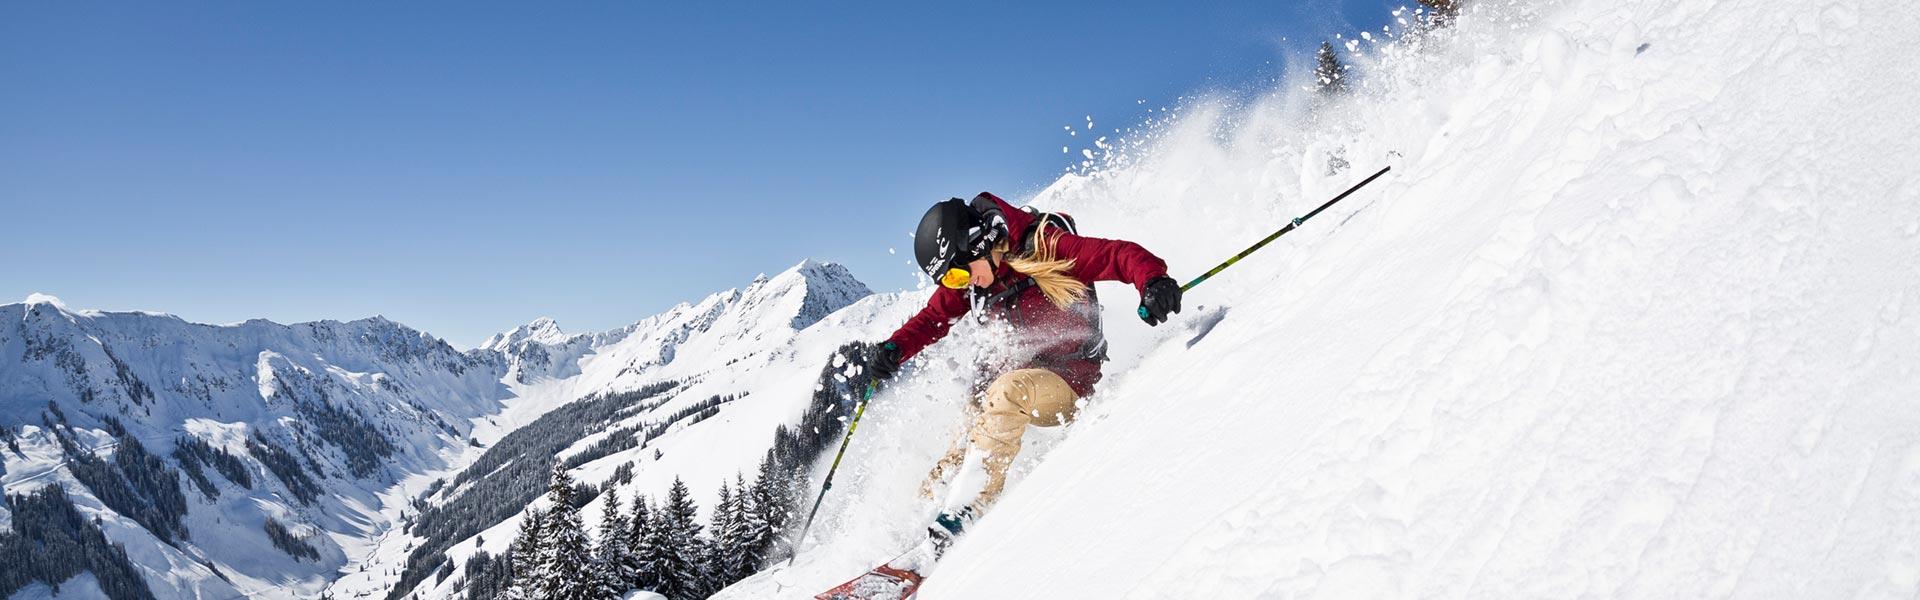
943 240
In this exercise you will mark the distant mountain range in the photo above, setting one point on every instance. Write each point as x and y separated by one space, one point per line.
280 461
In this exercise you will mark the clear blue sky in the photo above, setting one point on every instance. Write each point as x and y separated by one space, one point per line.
467 167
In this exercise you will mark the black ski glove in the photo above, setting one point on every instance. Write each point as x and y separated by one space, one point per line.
883 360
1161 298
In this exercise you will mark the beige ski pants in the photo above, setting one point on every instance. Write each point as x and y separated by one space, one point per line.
1014 401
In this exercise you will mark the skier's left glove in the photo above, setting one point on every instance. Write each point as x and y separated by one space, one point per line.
883 360
1160 299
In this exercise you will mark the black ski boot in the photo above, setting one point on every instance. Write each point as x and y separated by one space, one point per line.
947 528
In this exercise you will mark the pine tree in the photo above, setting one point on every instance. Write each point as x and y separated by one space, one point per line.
735 535
719 557
566 566
524 555
676 546
1329 73
722 556
755 539
615 558
640 543
772 502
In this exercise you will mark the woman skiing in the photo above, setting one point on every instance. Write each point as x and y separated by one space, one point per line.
1032 271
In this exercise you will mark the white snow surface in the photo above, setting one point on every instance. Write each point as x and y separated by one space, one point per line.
1628 318
79 587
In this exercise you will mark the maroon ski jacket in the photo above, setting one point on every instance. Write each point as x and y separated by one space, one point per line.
1065 341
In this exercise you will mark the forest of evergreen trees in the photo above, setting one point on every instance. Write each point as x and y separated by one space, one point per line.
661 548
135 484
285 467
511 474
664 549
284 539
12 438
195 455
50 542
361 443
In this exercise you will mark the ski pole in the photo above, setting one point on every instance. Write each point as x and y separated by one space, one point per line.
1283 230
872 385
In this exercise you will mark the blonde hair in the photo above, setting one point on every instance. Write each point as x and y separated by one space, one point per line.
1049 272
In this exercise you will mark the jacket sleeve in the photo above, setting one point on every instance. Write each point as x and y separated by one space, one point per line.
1096 259
942 310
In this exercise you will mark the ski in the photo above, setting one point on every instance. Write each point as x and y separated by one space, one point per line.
895 579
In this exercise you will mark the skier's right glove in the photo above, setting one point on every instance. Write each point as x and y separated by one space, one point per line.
1160 299
883 360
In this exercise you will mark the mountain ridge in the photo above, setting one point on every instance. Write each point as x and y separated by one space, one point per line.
335 425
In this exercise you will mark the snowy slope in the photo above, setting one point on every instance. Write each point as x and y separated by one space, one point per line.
1629 318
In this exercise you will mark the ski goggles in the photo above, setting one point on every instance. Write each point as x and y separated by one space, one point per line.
956 279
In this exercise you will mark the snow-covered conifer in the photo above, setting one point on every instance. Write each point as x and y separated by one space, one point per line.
640 544
771 504
524 555
566 570
731 536
675 550
615 558
1329 75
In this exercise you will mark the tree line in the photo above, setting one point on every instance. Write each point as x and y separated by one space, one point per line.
661 548
195 454
692 562
49 541
511 474
135 483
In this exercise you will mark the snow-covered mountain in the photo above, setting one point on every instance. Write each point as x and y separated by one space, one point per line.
323 418
728 324
539 350
330 431
750 355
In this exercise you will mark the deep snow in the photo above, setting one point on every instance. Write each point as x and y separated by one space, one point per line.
1629 318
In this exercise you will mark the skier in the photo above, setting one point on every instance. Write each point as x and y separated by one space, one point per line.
1034 272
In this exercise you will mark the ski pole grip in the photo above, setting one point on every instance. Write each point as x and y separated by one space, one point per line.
1143 313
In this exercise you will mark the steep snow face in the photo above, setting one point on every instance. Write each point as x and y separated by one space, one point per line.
363 404
1630 317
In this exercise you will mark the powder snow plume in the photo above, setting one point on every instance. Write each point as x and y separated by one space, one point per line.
1629 318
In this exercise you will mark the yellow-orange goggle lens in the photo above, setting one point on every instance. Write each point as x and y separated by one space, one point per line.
956 278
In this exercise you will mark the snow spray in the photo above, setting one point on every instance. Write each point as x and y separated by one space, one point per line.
1283 230
872 384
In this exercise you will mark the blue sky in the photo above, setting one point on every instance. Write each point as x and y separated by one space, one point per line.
467 167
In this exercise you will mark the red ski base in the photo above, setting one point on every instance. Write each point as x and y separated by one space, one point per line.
882 583
898 579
